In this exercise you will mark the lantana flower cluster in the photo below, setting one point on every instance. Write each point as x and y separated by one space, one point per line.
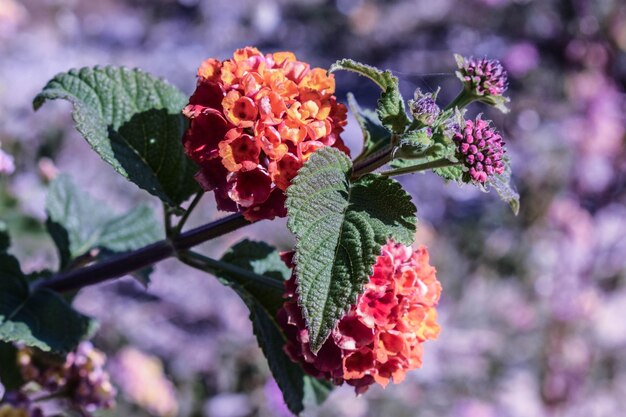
82 376
254 120
382 336
481 149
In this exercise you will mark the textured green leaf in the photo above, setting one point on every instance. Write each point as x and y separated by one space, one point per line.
133 121
298 388
340 227
413 143
37 318
79 223
391 110
505 188
384 79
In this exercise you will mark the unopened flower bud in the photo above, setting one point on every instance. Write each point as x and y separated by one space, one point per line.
424 108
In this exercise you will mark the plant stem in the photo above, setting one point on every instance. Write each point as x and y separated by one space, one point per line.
125 263
369 165
222 269
438 163
185 217
463 99
167 220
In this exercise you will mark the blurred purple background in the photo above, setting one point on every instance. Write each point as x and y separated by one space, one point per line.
533 312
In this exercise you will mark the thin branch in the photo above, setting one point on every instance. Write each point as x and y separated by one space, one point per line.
125 263
185 217
223 269
438 163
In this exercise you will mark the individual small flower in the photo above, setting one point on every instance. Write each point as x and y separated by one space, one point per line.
483 77
142 380
254 120
381 336
481 149
424 108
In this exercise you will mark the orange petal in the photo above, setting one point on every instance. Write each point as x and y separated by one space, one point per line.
284 170
239 151
210 69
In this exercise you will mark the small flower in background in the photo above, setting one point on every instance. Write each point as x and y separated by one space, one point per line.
7 165
381 337
424 108
143 382
481 149
17 404
255 119
85 368
81 377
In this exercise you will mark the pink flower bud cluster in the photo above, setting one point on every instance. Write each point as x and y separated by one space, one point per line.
381 337
483 76
481 149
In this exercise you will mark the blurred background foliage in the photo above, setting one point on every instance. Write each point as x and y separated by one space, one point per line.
533 306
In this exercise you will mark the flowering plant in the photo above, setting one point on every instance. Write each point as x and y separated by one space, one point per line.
354 301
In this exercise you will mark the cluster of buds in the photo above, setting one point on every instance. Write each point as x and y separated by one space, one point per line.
483 77
81 378
484 80
381 337
424 107
254 120
481 149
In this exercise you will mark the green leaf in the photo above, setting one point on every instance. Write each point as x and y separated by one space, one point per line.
79 223
262 259
376 137
133 121
38 318
413 143
340 226
504 187
384 79
299 389
391 110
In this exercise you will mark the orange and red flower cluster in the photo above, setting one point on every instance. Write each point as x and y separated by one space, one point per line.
254 120
381 337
